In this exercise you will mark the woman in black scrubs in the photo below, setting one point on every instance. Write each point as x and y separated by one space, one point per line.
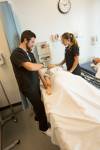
71 54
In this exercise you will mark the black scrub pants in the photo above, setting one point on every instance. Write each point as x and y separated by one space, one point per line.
77 71
34 96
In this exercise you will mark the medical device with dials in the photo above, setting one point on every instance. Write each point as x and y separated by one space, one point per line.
43 50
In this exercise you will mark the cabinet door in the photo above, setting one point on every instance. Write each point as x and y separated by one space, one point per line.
3 100
6 72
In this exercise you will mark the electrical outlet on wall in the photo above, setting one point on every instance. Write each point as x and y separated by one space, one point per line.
94 40
1 59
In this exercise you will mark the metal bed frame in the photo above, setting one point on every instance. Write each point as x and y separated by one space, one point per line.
89 74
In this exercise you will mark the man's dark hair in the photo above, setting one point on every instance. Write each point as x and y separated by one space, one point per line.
27 34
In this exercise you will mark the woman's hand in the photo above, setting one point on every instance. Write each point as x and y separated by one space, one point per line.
51 66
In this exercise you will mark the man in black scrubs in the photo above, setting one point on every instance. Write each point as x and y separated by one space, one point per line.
27 74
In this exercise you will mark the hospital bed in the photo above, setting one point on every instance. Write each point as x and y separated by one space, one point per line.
73 110
88 73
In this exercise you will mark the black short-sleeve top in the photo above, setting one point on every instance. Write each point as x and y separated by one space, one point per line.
70 53
27 80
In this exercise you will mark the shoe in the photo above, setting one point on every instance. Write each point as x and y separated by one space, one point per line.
36 119
45 127
48 132
49 125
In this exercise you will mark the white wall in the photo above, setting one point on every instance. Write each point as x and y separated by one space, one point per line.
44 19
96 27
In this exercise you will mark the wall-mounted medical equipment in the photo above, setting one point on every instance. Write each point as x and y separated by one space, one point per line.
43 51
55 37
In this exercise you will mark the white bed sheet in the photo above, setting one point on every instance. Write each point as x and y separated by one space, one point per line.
74 112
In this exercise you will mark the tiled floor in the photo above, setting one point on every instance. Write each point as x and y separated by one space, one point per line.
26 129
